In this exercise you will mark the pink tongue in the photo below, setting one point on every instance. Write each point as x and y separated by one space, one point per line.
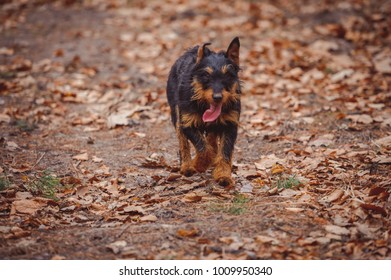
212 113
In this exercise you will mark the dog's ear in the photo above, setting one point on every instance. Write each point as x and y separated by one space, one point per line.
233 50
201 52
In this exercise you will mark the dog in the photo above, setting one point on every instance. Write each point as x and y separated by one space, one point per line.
203 91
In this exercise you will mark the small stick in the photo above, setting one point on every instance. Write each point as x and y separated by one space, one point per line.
36 163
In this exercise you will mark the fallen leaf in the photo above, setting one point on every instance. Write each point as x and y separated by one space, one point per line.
148 218
335 195
20 169
4 118
23 195
382 159
385 141
337 230
323 140
117 119
187 232
96 159
5 229
117 246
82 157
337 77
192 197
27 206
382 63
103 170
377 191
134 210
376 209
294 209
6 51
12 146
173 176
277 169
364 118
113 189
268 161
266 239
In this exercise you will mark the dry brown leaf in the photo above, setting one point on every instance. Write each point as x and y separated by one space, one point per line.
323 140
96 159
113 189
148 218
4 118
11 146
335 195
294 209
337 230
385 141
82 157
117 246
363 118
374 208
377 191
173 176
277 169
134 210
187 232
27 206
382 159
266 239
382 63
192 197
268 161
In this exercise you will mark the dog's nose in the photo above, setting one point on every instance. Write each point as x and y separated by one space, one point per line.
217 97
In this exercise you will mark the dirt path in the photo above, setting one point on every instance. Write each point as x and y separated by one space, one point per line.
88 157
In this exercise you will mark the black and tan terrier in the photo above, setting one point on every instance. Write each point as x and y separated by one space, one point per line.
203 90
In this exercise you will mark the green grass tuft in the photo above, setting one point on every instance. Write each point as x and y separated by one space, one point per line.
45 185
25 126
237 206
287 183
4 183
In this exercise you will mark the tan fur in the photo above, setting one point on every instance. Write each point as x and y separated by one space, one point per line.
209 69
212 139
222 172
184 149
201 95
224 69
223 168
232 117
200 54
189 120
204 159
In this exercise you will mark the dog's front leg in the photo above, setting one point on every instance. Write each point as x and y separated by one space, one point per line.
204 151
223 161
187 168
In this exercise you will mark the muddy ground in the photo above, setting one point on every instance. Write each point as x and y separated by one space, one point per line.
88 156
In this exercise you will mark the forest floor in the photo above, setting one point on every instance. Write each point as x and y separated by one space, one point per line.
88 156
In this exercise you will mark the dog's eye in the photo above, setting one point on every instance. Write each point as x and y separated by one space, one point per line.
230 70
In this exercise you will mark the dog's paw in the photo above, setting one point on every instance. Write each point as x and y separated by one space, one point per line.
188 171
225 181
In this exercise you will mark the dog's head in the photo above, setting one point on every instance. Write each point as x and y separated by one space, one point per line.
215 79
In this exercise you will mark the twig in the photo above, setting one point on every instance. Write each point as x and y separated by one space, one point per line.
36 163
